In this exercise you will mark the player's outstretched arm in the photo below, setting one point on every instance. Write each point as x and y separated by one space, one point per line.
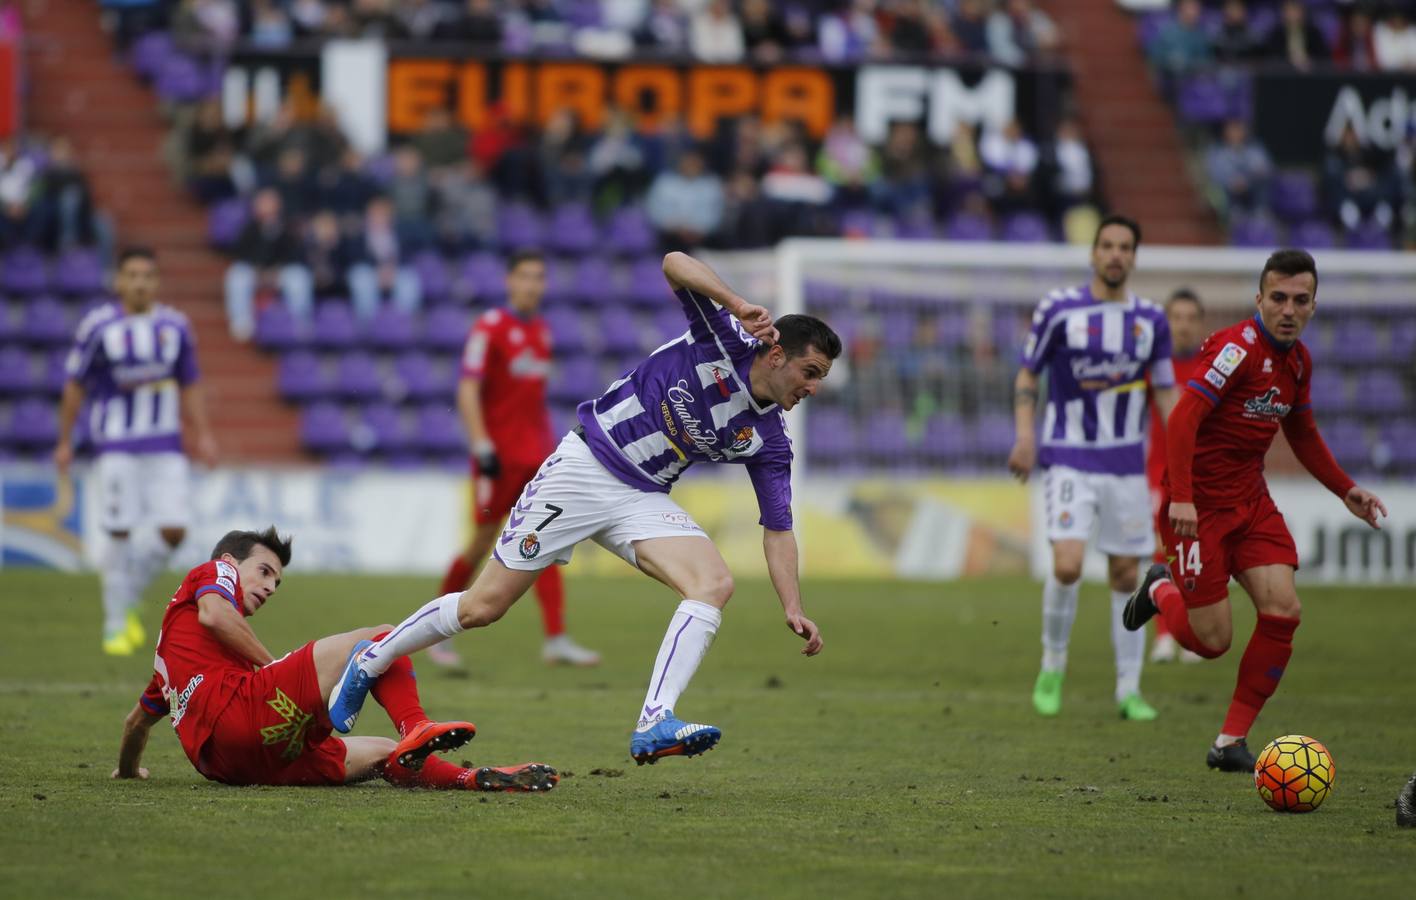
1365 505
230 628
1312 451
135 734
683 271
1023 456
780 548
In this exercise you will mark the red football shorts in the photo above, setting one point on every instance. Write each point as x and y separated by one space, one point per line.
1230 541
275 729
493 498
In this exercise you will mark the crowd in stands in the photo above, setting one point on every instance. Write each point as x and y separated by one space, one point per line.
45 202
1359 194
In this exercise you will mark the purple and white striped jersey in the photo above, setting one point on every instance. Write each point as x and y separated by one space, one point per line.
132 369
1097 355
690 401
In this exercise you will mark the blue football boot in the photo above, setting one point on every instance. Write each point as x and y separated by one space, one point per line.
672 737
350 691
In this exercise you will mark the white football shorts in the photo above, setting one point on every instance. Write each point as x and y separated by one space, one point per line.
1119 506
572 498
142 489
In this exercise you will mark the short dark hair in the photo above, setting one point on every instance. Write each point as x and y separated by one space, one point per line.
240 544
136 251
1123 221
525 254
1290 262
1185 295
797 332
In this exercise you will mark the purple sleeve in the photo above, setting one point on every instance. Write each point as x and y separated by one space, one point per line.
1161 368
709 323
186 368
772 482
1041 334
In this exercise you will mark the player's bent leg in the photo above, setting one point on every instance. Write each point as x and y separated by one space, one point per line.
343 683
332 654
495 591
364 757
428 738
690 565
1270 647
1059 611
1213 626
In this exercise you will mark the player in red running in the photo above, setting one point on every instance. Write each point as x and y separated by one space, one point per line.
244 717
502 399
1219 518
1186 315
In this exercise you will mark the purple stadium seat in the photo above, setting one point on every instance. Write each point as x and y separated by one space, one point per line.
1253 231
519 225
483 276
278 330
1400 441
34 422
994 434
54 371
437 429
888 437
1312 234
1369 235
46 322
445 328
917 228
225 221
24 271
324 428
78 271
1295 196
301 377
1346 440
385 429
945 440
1402 340
1379 391
334 327
432 273
1328 391
953 329
858 223
11 320
597 284
391 329
357 377
669 324
969 227
572 230
897 328
574 379
629 233
620 332
182 79
1355 341
1026 227
830 437
1202 100
647 286
423 379
17 371
148 53
567 330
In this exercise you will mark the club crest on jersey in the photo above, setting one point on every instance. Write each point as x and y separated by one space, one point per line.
1267 404
1229 358
742 439
530 546
1250 335
1065 520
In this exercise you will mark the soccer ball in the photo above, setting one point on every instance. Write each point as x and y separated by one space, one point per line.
1294 773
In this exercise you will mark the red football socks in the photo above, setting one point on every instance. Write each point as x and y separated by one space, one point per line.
1166 597
550 593
458 577
436 774
396 690
1259 671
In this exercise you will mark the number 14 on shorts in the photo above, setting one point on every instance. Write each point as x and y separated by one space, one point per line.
1188 561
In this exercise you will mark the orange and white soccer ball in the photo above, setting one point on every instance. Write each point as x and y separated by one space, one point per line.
1294 773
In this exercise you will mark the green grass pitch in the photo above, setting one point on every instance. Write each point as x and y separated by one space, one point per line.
905 761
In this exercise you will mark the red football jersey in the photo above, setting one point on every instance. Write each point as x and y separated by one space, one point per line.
511 357
1155 453
190 664
1251 382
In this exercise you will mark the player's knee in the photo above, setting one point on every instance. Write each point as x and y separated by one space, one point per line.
173 536
716 589
472 613
1067 571
1216 639
1285 605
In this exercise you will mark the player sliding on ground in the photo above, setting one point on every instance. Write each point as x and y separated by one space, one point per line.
716 394
244 717
1217 518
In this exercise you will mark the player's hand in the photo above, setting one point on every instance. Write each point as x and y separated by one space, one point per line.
206 449
758 322
488 466
141 774
1365 505
1022 458
806 629
1185 519
63 457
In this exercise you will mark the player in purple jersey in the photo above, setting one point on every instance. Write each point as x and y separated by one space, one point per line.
715 394
135 363
1097 343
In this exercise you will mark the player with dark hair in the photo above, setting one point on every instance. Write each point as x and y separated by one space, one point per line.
135 361
1100 346
502 399
244 717
716 394
1185 313
1406 805
1218 519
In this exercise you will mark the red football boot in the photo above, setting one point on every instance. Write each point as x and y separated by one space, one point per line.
431 737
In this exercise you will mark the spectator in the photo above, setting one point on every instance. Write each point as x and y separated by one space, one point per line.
467 208
1020 32
410 195
563 147
1010 159
421 18
851 34
268 256
1394 42
329 255
911 31
1295 39
377 19
848 163
715 34
1240 166
270 27
206 22
685 205
1359 182
1181 45
764 31
1356 48
970 27
299 194
1236 42
747 215
441 141
1072 176
343 187
617 162
384 267
66 216
798 195
903 186
308 17
18 224
664 29
207 153
623 15
478 23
